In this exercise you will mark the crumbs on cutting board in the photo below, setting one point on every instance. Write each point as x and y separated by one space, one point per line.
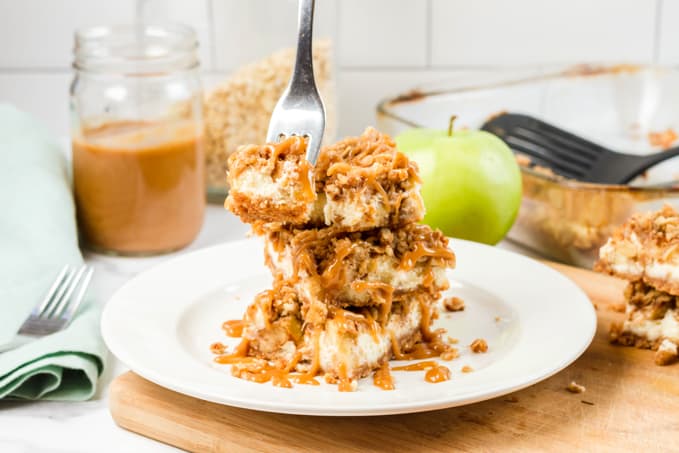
574 387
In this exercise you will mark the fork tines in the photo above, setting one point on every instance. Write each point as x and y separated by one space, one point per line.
60 303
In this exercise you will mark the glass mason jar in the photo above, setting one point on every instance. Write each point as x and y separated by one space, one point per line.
137 136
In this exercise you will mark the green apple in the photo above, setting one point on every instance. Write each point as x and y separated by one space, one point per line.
471 183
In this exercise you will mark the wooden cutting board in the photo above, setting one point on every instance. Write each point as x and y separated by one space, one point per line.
629 404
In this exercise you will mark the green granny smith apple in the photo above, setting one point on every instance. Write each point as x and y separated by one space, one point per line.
471 183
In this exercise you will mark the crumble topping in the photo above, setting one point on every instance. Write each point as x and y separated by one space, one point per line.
453 304
574 387
358 183
479 346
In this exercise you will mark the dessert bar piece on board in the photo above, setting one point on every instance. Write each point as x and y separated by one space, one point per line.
645 251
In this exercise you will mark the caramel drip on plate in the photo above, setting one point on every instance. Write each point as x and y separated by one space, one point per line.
344 384
233 328
437 374
238 355
382 378
419 366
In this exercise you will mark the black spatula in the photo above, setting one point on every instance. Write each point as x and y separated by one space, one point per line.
569 155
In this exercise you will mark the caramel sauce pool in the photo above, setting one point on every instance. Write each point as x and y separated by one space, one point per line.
233 328
139 187
435 372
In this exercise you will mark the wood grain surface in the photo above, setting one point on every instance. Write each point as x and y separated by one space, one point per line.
629 404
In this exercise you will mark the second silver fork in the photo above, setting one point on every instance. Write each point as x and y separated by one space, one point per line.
300 109
57 308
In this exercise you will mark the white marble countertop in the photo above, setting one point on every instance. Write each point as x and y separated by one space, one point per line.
47 426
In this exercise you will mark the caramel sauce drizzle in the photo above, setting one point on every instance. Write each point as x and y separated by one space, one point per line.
238 355
233 328
382 378
435 372
292 144
333 276
374 326
384 291
429 278
410 258
306 181
344 384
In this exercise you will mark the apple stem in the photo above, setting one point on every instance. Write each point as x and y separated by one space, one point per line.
450 125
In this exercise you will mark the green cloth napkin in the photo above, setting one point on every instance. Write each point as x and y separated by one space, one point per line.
38 236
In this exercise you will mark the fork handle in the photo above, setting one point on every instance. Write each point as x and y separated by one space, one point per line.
303 73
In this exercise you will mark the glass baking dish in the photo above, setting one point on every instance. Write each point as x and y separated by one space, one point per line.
617 106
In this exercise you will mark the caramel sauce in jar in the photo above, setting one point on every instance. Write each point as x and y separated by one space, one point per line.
139 186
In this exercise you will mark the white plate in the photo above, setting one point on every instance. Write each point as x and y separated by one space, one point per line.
535 320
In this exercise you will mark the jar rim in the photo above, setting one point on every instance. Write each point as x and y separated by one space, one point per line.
135 48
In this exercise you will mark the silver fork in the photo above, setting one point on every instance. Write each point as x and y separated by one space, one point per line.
300 110
58 307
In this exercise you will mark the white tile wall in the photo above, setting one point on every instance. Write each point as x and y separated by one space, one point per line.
517 32
383 33
668 32
45 95
39 33
247 30
383 46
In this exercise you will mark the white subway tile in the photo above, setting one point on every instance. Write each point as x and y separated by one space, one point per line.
39 33
193 13
360 91
246 31
379 33
44 95
501 32
668 48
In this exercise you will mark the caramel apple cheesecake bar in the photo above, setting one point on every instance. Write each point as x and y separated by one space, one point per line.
356 280
283 333
360 268
645 251
358 183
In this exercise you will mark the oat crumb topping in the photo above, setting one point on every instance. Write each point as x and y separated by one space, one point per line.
478 346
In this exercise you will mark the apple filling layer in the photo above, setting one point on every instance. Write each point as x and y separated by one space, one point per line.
357 184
